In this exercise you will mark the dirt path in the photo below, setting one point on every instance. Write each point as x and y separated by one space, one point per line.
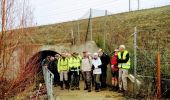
84 95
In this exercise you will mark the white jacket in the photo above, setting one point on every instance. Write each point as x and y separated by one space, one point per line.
96 62
86 64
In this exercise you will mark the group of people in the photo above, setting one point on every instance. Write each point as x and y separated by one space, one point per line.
67 69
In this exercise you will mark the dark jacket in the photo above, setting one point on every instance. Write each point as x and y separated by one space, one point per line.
105 59
45 62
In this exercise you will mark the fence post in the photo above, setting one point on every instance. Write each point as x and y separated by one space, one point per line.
91 29
138 4
158 84
78 31
135 57
129 5
104 43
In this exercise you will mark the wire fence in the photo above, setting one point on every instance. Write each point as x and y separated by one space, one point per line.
111 31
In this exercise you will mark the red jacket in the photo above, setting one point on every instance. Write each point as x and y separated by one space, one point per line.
114 63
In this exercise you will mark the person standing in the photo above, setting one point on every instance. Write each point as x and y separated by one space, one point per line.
115 70
70 65
56 74
46 62
75 71
105 59
63 69
96 66
124 65
86 70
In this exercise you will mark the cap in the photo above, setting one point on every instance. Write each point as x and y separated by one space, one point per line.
122 46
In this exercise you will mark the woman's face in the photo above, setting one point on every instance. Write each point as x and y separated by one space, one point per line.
116 53
95 57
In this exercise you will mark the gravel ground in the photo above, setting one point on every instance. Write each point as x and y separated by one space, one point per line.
84 95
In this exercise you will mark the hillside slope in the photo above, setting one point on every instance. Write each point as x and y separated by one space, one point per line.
156 20
152 27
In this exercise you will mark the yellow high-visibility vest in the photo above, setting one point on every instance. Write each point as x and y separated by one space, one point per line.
124 65
62 64
70 62
76 62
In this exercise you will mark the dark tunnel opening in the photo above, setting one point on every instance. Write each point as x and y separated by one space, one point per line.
35 63
42 55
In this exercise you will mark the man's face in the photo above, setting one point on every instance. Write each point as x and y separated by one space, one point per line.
48 57
85 54
57 56
63 55
100 53
121 49
51 58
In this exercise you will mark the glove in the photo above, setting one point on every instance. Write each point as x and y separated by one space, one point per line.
100 66
92 67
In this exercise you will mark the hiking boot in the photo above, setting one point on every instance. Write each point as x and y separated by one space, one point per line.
77 88
111 89
89 90
72 88
66 87
120 91
116 88
55 85
85 88
97 90
125 93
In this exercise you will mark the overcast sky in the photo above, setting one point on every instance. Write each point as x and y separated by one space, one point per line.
56 11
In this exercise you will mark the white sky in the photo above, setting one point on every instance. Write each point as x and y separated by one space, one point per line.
56 11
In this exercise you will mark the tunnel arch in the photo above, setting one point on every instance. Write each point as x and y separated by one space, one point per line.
37 58
31 70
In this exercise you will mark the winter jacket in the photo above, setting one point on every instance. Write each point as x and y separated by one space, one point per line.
86 64
114 63
96 66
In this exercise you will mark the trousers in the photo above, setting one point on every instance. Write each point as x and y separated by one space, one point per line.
64 75
123 79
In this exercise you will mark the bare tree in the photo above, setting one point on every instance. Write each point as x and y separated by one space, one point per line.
16 17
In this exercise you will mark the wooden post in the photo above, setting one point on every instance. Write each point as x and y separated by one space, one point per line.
158 76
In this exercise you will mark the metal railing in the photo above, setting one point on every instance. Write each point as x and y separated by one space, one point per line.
48 78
